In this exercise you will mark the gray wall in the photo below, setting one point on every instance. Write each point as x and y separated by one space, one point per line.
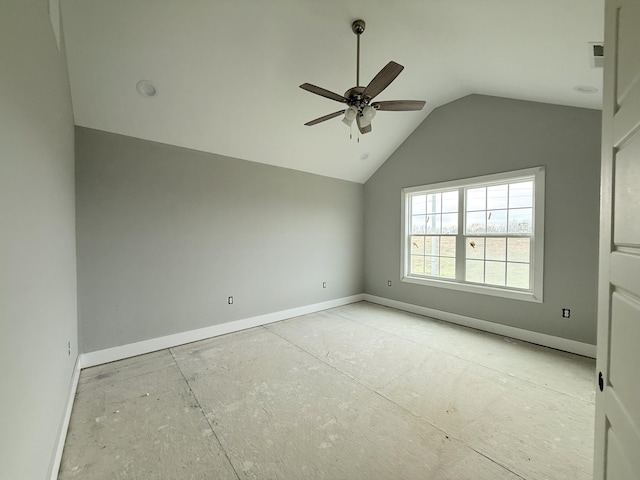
37 240
166 234
479 135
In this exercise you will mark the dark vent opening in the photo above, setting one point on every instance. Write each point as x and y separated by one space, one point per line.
598 50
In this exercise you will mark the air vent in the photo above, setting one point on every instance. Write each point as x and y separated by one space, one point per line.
596 54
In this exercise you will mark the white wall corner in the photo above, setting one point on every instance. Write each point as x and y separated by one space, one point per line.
558 343
112 354
54 16
64 426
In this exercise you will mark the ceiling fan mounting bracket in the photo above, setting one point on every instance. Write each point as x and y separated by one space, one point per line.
358 27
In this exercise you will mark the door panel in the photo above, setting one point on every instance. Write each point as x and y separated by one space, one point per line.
624 272
627 116
617 441
629 49
627 193
617 466
624 352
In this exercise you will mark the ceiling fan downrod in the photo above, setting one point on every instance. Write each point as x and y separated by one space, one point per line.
358 27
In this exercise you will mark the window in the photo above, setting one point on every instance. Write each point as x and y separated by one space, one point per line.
482 235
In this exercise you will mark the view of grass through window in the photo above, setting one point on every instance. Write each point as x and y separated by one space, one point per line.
434 225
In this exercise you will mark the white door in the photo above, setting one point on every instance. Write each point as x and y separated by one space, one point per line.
617 451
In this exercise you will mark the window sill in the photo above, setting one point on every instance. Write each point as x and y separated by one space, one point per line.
473 288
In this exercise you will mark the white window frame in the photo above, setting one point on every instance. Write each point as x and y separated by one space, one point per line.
534 294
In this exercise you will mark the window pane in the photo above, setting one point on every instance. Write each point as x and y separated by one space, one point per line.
450 223
417 245
519 250
495 273
521 194
475 271
497 197
447 267
476 222
417 264
418 223
434 223
432 266
476 199
497 221
448 246
476 231
450 202
496 249
418 205
520 220
431 246
434 203
475 247
518 275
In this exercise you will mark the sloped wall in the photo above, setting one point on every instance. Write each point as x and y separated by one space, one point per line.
480 135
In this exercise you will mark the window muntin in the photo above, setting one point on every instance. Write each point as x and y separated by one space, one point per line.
482 234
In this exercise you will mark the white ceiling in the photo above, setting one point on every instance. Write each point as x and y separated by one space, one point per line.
228 71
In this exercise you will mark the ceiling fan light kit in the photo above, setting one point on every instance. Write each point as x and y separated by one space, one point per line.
349 116
368 112
359 99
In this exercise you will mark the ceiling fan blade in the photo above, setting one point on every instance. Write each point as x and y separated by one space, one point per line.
382 80
326 117
362 129
399 105
323 92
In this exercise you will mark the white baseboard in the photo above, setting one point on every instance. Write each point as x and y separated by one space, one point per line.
64 427
545 340
107 355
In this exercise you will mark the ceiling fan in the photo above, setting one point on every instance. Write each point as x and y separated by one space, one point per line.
359 99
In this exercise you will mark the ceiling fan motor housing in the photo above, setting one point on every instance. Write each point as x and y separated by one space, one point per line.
354 97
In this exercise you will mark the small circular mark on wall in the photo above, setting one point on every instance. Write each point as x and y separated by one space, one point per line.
585 89
146 89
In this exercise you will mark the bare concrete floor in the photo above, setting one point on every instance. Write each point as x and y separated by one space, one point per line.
356 392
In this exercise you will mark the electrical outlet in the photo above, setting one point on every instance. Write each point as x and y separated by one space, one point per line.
388 283
230 300
566 313
69 348
324 284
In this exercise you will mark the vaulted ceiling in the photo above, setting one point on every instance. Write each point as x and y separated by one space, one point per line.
227 72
